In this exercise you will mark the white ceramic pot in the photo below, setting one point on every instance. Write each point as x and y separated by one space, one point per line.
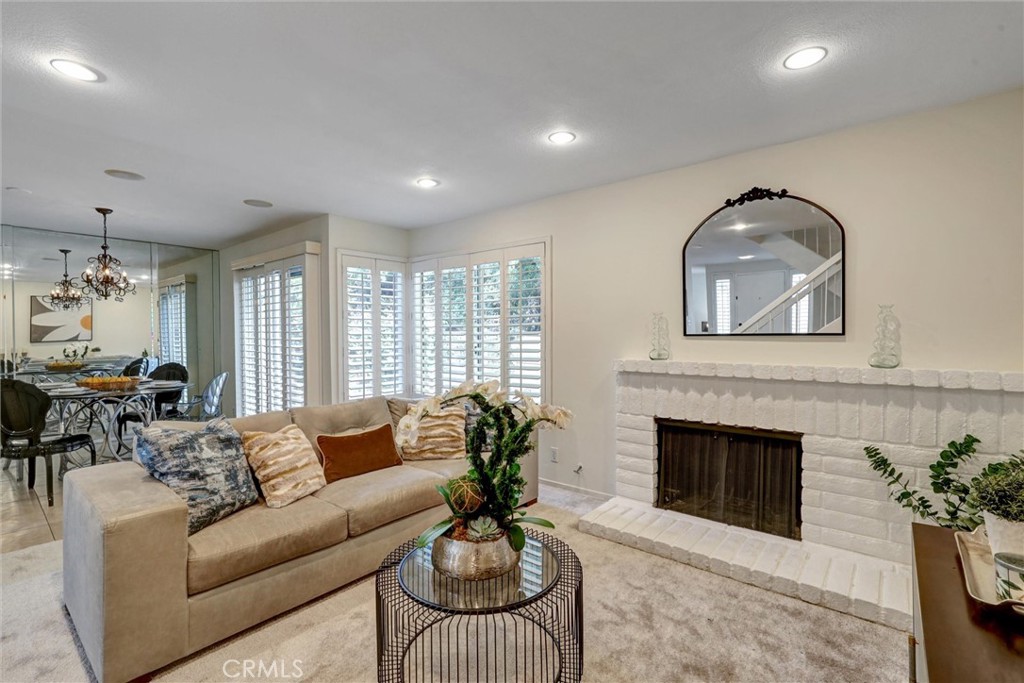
1004 536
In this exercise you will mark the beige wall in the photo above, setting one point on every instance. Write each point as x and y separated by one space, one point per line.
119 328
932 206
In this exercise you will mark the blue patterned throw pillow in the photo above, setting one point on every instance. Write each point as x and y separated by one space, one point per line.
207 468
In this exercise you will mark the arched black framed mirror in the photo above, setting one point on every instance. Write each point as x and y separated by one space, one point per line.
766 263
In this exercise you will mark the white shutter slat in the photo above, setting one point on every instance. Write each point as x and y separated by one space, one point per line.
359 330
524 330
487 321
453 327
424 347
392 333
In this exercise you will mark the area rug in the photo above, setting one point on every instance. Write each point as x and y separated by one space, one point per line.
647 619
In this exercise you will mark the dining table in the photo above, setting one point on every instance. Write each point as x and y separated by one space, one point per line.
75 406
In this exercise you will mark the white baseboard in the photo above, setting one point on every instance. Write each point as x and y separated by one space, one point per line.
577 489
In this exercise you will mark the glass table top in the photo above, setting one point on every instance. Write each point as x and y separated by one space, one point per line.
536 573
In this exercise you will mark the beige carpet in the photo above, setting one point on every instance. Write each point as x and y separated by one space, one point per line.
647 619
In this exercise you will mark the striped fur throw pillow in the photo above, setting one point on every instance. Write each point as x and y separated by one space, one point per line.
442 436
285 464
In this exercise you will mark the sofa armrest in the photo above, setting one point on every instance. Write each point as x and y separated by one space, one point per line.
125 560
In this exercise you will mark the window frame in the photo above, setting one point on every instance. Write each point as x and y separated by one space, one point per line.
376 264
522 249
306 255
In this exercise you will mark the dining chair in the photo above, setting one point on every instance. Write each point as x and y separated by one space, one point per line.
135 369
208 403
166 372
23 409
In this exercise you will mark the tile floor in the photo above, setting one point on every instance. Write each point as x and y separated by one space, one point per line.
25 518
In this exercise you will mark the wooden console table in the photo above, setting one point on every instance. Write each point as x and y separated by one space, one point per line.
956 641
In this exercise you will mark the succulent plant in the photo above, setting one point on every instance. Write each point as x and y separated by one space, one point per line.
465 494
1001 492
482 529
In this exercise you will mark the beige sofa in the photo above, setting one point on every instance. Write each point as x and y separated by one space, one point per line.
142 593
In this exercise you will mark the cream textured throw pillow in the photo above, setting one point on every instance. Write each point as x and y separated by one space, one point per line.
441 436
285 464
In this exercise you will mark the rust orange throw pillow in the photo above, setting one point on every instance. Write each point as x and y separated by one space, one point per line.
346 455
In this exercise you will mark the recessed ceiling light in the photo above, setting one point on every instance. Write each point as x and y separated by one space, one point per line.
427 182
801 59
561 137
74 70
124 175
258 203
143 277
745 257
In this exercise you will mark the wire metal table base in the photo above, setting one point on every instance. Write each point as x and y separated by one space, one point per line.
535 639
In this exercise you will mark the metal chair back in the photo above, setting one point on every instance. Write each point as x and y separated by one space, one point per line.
134 369
212 395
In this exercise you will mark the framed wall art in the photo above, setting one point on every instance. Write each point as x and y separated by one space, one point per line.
47 324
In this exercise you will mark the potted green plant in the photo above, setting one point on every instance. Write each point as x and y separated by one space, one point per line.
999 494
483 535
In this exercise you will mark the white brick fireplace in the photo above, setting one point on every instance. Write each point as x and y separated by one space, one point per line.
855 554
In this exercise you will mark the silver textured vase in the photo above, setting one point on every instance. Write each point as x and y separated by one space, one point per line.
473 560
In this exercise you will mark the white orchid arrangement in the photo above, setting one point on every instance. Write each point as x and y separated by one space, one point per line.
76 351
485 501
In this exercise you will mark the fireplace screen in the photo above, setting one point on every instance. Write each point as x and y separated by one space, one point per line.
749 478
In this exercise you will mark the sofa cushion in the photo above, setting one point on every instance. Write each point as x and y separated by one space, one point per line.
340 418
206 468
259 537
449 469
377 498
439 435
399 408
284 463
349 455
262 422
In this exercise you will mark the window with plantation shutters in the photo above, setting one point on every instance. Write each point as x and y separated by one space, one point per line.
480 316
424 329
525 353
373 323
452 367
173 325
487 320
176 309
273 353
723 305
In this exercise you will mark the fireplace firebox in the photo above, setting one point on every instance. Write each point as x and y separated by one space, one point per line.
748 478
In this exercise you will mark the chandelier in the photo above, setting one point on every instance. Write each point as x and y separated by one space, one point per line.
105 275
65 293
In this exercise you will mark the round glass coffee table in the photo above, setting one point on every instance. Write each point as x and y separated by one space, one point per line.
524 626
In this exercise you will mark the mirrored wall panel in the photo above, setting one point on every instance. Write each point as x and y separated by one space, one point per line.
766 263
169 313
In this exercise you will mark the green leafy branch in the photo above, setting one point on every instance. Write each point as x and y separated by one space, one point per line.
959 507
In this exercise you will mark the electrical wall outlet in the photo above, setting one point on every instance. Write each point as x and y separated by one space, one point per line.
554 454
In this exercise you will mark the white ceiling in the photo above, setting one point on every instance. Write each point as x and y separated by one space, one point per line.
337 108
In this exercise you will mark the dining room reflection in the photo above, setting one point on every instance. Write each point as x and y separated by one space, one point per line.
109 345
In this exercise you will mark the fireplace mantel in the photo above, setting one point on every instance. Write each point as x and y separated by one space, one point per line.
979 380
